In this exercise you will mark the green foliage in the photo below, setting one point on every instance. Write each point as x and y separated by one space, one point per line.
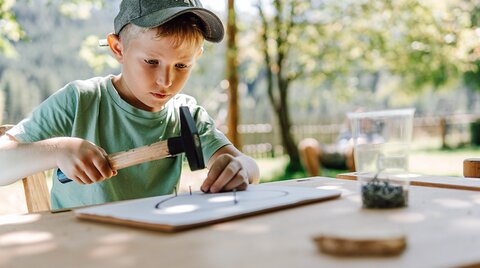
475 132
375 54
472 76
49 59
97 57
420 45
10 30
79 9
20 97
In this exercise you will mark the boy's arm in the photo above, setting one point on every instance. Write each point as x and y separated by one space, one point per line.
19 160
79 159
230 169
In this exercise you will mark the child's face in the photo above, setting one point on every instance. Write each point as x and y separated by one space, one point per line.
153 70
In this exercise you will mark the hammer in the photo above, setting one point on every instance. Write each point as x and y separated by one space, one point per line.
188 142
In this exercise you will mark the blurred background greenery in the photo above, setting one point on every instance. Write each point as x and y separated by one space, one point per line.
301 66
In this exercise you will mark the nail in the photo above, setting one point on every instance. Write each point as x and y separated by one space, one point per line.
235 196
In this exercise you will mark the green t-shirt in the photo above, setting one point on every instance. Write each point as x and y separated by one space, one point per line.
93 110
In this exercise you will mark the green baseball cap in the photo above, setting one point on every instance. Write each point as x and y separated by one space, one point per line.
152 13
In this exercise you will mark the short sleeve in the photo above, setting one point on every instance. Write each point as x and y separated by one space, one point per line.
211 138
52 118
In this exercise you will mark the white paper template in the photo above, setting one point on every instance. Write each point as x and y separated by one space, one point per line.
193 210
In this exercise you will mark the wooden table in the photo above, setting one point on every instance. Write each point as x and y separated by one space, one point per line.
442 228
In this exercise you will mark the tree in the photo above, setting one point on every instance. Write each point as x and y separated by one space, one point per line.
328 43
276 45
232 75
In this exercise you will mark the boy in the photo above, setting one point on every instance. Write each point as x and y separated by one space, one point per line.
157 44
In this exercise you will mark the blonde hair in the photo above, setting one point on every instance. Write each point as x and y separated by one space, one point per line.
185 29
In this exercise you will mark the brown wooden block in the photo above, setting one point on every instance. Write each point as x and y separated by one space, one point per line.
471 168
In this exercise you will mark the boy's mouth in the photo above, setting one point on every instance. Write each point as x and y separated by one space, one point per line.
159 95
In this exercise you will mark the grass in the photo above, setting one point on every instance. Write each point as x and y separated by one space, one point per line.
426 157
274 169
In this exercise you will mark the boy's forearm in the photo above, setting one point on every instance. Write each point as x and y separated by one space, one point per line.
18 160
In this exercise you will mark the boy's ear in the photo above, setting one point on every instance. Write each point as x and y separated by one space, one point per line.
116 46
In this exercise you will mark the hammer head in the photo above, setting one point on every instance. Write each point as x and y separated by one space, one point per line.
191 140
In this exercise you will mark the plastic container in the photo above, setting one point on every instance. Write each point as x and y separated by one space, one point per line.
382 140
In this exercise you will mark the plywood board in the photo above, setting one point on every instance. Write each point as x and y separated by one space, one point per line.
171 213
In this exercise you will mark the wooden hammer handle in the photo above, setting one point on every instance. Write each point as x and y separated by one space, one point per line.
139 155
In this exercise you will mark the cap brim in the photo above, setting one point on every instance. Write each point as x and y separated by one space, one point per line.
213 30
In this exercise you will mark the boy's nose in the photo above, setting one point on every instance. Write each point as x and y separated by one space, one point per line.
164 78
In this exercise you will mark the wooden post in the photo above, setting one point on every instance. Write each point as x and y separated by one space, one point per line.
37 195
232 76
443 132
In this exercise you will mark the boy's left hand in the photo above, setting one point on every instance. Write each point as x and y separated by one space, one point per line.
226 173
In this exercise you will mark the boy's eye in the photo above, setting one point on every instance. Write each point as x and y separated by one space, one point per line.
152 62
181 65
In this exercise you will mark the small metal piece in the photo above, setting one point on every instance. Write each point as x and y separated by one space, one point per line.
235 196
190 187
103 43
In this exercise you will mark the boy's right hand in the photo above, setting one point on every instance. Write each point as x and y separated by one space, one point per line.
82 161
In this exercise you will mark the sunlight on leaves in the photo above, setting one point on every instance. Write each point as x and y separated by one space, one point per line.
79 9
97 57
10 30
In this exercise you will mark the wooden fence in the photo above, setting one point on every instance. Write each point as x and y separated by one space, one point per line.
263 140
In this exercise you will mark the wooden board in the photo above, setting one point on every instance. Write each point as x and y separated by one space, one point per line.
458 183
172 213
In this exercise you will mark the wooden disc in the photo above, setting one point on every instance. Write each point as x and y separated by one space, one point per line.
362 242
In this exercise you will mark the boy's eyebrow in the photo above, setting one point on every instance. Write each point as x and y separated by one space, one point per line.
181 57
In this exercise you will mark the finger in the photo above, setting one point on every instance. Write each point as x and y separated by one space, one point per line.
103 151
103 168
240 182
76 179
82 178
93 174
215 171
226 176
108 163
